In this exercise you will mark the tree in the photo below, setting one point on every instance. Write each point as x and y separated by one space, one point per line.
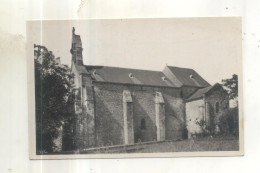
230 120
231 86
53 96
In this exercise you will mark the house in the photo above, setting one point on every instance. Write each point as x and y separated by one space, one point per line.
120 106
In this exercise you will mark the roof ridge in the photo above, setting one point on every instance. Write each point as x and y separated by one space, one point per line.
181 67
101 66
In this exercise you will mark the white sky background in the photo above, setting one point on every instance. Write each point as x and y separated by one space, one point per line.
13 78
211 46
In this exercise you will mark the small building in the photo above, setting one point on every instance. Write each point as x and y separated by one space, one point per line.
204 107
119 106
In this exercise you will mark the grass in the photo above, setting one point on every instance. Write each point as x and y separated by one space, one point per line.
193 146
188 145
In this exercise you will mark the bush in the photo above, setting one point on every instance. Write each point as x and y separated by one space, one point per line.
206 130
229 122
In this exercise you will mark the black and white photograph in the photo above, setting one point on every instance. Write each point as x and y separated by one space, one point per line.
120 88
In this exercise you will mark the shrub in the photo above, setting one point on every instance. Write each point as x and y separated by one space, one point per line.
229 123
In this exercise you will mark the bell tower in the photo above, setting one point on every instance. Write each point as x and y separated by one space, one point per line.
76 49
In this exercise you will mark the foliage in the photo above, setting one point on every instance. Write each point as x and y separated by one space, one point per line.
231 85
53 94
229 123
206 130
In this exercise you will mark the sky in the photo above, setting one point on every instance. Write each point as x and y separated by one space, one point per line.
211 46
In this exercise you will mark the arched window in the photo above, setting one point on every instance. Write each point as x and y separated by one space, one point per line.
143 124
217 107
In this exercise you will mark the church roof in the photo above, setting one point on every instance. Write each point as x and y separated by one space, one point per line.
169 77
129 76
185 77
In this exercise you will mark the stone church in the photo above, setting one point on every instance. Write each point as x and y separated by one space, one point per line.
120 106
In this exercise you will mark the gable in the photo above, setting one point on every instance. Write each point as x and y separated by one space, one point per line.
205 91
199 93
185 77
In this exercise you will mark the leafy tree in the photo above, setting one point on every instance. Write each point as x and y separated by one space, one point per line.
229 122
53 94
231 86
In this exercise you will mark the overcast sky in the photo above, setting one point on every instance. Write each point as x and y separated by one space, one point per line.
211 46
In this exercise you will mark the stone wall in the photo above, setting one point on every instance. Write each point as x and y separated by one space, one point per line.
174 114
211 99
109 113
194 113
